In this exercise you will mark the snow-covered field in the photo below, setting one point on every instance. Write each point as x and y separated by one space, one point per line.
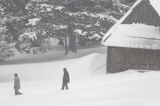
90 86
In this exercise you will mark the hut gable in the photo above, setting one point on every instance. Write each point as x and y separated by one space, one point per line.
144 12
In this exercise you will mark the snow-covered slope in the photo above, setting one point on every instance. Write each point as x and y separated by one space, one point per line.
57 53
41 84
51 70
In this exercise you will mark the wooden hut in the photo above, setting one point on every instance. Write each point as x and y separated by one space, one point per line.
134 41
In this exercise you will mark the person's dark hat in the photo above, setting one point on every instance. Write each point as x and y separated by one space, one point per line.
15 74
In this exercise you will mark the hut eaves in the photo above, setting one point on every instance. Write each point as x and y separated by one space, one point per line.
135 36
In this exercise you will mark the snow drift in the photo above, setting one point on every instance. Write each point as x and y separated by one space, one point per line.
41 83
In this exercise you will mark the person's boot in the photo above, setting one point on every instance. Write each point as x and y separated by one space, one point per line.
16 93
19 93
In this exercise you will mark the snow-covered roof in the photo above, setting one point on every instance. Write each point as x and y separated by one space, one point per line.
120 21
135 36
116 28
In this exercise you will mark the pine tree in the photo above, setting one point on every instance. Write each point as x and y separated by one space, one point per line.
29 24
87 20
5 48
15 18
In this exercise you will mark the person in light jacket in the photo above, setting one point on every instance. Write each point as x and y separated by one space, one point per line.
17 84
66 79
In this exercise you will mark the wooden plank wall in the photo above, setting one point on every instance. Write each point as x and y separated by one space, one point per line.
121 59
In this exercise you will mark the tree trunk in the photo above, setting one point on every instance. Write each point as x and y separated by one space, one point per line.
72 40
72 43
66 47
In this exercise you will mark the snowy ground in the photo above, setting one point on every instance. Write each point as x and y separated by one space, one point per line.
90 86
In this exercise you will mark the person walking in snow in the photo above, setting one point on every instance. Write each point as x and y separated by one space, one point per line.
66 79
17 84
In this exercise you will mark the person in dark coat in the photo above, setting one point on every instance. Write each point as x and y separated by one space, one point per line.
17 84
66 79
